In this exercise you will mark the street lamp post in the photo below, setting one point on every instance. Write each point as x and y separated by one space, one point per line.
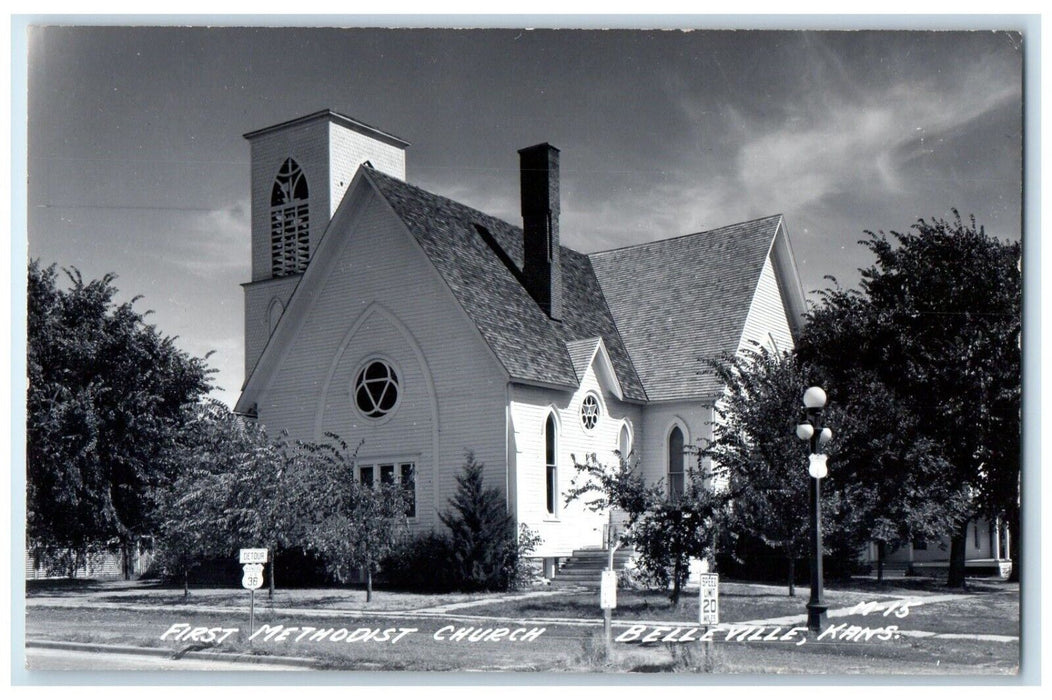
812 430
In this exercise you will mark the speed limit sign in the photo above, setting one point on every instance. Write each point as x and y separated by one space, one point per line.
709 599
253 577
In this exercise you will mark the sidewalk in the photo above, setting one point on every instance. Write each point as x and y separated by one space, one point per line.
460 612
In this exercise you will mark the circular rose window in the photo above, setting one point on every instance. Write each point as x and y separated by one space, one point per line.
376 389
589 412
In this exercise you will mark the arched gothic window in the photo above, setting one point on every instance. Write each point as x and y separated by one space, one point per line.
675 463
624 441
274 315
551 484
289 221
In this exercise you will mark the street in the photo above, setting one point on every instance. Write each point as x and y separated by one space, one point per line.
38 659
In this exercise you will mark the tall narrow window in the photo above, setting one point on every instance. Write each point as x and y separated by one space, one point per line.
274 315
675 464
409 486
624 441
550 481
289 221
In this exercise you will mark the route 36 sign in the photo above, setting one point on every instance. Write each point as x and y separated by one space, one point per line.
253 578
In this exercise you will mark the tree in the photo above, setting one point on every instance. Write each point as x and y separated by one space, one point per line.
667 535
481 532
231 487
353 526
108 395
937 322
756 450
894 478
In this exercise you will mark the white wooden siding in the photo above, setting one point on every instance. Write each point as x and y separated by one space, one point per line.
766 323
258 298
658 420
348 149
573 526
308 145
385 284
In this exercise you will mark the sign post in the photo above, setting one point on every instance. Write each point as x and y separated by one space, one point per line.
709 604
709 600
608 599
252 561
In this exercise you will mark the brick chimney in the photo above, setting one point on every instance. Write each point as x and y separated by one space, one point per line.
539 181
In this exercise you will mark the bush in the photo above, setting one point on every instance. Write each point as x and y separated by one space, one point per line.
482 534
481 552
421 563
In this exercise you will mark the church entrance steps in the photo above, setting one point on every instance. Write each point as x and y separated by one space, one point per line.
584 567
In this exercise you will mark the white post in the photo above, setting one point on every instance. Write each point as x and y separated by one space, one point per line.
995 539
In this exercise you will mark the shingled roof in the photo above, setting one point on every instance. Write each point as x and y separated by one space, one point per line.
480 259
681 300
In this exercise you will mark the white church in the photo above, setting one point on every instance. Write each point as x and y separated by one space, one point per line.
385 313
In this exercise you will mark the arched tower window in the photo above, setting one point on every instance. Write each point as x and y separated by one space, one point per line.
289 221
551 483
675 463
274 315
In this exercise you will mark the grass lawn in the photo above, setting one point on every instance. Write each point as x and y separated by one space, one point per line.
738 602
559 648
156 594
562 646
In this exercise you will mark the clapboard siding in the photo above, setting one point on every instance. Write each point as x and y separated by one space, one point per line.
766 323
382 297
573 526
258 298
348 149
308 145
658 420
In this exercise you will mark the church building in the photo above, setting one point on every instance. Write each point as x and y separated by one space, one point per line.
426 329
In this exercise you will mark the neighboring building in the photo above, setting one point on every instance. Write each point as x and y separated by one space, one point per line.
987 552
385 313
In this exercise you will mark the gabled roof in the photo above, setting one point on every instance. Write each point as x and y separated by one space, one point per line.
479 257
681 300
581 354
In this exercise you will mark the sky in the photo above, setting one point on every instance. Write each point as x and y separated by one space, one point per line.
137 164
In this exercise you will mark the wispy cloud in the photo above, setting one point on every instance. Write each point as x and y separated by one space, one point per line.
210 243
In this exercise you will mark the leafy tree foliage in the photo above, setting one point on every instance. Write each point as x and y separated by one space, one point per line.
937 325
665 534
885 483
353 526
758 453
108 395
620 486
233 487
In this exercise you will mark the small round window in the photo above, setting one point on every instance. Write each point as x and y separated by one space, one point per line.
589 412
376 389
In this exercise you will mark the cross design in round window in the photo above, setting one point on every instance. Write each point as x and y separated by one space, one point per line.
589 412
376 389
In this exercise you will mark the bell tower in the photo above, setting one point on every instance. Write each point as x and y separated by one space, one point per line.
300 172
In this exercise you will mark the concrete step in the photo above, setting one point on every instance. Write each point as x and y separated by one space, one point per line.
585 567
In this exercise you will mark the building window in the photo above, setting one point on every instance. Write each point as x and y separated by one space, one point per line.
590 412
624 441
394 472
289 221
675 464
551 486
274 315
975 529
920 545
376 389
365 476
